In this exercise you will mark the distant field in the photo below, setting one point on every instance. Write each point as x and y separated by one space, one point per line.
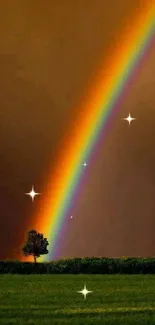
53 299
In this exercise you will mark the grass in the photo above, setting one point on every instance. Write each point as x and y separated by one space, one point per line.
53 299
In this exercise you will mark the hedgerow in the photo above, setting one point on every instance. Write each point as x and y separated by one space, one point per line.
85 265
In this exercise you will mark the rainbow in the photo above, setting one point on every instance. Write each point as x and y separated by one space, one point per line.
101 100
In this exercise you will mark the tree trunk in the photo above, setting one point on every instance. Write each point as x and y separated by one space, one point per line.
35 259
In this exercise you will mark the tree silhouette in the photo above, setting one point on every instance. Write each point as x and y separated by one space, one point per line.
35 245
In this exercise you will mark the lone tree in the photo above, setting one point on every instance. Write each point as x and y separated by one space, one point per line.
35 245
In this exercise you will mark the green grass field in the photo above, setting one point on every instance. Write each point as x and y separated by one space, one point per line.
53 299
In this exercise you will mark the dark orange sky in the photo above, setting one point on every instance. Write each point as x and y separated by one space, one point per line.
48 52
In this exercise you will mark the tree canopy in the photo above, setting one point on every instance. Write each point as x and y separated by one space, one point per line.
35 245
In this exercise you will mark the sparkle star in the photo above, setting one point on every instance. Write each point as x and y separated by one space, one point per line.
32 193
71 217
85 291
84 164
129 119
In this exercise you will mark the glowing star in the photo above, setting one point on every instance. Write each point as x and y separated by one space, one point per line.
129 119
71 217
32 193
84 291
84 164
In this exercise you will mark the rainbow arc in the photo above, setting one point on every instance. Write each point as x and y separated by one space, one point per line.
102 99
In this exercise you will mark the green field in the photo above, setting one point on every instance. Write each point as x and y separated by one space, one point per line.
53 299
